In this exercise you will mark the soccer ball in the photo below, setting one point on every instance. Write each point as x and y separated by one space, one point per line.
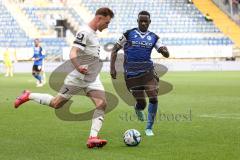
132 137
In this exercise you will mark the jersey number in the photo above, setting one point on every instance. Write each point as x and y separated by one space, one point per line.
65 91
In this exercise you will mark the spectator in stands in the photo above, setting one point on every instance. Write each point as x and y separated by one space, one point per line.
208 18
139 73
50 21
235 5
226 2
190 1
64 2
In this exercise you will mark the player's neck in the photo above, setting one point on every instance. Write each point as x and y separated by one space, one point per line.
92 25
141 32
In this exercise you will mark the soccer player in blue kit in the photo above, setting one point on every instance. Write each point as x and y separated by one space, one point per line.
139 73
38 58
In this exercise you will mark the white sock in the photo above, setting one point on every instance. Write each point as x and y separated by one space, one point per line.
97 121
44 99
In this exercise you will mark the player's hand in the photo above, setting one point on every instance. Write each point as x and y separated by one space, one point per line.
113 73
83 70
164 51
35 59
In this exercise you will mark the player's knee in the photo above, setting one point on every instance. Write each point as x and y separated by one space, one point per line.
153 100
102 104
141 104
56 104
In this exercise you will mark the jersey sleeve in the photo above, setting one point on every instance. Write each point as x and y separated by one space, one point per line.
43 53
80 40
122 40
158 44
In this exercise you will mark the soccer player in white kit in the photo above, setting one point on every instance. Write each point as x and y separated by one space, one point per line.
84 56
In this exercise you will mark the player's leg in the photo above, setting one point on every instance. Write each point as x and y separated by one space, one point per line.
36 73
139 95
39 76
46 99
6 69
11 70
58 101
151 90
95 92
41 98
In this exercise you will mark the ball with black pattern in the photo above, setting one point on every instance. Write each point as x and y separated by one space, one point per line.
132 137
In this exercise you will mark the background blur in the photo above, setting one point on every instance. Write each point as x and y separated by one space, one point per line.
200 34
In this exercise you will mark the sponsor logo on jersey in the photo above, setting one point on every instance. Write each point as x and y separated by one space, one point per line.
143 44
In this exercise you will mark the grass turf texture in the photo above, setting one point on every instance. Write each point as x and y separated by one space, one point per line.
33 132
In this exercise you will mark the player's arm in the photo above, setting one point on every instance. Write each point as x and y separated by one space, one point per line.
79 45
164 51
161 48
113 71
115 49
34 58
42 56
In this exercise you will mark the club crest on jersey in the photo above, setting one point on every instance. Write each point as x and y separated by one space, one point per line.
135 36
149 38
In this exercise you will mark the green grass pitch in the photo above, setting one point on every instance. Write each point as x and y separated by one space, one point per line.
202 115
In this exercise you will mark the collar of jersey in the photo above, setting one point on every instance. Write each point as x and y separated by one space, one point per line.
142 34
90 29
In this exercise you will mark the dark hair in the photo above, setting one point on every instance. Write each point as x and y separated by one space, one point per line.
146 13
105 12
36 39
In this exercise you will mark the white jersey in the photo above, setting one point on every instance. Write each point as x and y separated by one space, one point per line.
87 40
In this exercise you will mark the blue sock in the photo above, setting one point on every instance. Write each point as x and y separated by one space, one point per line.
152 111
38 77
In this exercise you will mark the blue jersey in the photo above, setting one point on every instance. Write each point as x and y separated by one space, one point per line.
137 51
38 53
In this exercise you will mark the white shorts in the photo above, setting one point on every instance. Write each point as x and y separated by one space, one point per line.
73 85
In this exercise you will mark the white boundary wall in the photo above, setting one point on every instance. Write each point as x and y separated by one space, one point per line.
175 52
26 67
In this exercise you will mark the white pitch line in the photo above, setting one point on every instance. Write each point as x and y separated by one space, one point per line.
222 116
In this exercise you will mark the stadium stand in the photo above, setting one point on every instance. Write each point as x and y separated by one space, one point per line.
169 17
178 23
12 35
